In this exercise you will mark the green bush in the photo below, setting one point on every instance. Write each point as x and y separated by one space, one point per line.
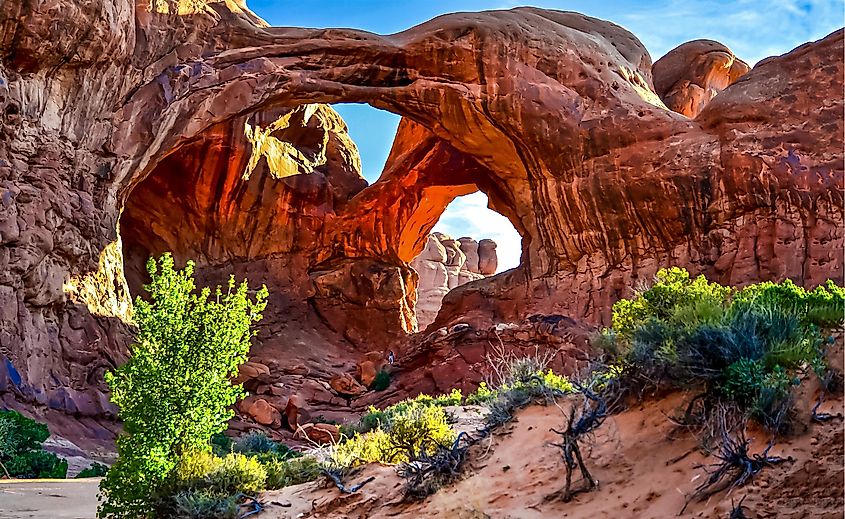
201 474
481 395
221 444
37 464
203 504
174 392
254 442
381 382
742 346
409 428
283 473
96 470
237 473
674 297
21 440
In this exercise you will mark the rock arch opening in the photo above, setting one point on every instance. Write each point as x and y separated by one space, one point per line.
469 242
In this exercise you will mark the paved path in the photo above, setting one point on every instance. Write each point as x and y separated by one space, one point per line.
49 498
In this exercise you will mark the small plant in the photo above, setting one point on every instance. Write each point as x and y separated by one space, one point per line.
736 466
227 475
283 473
221 444
426 473
481 395
96 470
237 473
403 430
381 382
256 442
580 423
204 504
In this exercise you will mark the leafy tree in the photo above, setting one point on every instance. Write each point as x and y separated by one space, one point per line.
174 392
20 449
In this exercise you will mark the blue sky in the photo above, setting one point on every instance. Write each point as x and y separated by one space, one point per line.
753 29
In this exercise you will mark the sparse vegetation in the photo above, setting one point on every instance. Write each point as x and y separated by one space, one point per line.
735 466
283 473
174 392
400 432
21 454
427 472
381 382
96 470
742 349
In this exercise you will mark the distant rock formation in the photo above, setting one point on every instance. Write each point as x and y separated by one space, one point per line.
446 263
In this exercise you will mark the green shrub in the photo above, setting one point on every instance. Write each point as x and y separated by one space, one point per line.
21 440
193 468
36 464
673 297
381 382
481 395
204 504
254 442
370 447
283 473
96 470
408 428
174 392
742 346
201 470
418 429
221 444
237 473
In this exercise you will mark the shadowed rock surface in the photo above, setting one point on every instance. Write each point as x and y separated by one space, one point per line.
131 119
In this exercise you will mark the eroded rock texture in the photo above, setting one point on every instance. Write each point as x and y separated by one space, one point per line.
690 75
446 263
116 113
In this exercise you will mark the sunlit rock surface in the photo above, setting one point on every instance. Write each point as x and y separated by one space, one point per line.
118 117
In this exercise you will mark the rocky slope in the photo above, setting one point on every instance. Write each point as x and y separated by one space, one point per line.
133 127
445 264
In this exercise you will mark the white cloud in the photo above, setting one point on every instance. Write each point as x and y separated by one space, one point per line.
469 216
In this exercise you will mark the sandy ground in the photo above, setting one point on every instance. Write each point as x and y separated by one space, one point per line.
49 498
645 467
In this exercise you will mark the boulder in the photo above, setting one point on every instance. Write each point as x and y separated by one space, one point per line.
693 73
295 412
262 412
322 433
366 372
346 385
251 370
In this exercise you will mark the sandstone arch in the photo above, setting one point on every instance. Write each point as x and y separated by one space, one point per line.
552 114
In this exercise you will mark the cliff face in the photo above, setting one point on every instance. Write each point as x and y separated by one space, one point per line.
446 263
124 132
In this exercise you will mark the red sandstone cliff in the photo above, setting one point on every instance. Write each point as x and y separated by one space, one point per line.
121 118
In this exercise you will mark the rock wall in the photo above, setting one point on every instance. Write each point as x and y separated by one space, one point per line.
113 109
446 264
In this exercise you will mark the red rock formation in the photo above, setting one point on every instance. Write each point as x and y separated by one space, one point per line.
604 184
691 74
445 264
